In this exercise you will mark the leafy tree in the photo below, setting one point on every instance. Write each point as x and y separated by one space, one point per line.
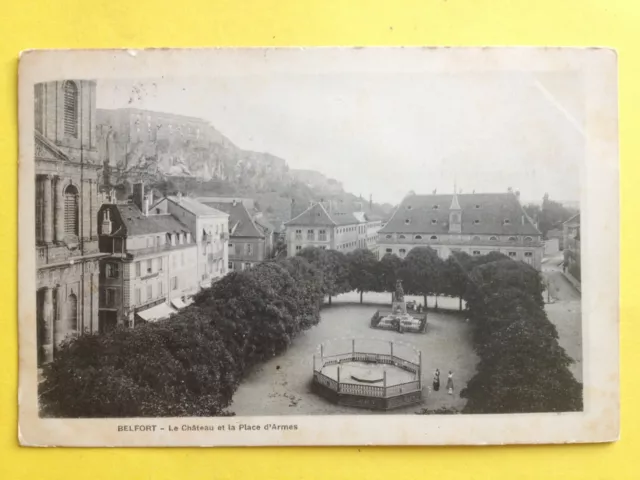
362 270
500 275
523 371
388 272
551 215
176 367
456 271
423 272
334 268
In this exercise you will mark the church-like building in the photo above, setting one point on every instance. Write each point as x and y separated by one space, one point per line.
67 202
476 223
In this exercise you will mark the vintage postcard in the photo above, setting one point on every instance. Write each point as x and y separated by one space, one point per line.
322 246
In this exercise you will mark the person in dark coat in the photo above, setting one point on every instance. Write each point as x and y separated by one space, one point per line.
436 381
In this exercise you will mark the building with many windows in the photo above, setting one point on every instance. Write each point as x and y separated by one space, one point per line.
66 204
316 227
476 223
151 268
209 228
249 241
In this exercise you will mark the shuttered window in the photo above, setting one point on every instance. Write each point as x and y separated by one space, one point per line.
71 210
71 109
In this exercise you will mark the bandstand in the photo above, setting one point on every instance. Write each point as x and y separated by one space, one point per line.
365 373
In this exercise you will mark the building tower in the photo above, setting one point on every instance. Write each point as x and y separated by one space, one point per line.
455 214
67 254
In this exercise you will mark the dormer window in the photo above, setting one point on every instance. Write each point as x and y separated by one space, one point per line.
433 237
409 207
407 221
433 222
389 236
494 239
476 222
476 239
512 239
507 221
436 207
528 239
418 237
402 237
477 206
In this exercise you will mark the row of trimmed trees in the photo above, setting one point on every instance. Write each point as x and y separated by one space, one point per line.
192 363
522 367
422 272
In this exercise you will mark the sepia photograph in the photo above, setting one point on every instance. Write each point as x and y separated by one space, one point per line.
318 247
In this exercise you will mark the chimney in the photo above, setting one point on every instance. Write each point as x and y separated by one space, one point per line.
145 210
138 195
150 195
106 223
518 194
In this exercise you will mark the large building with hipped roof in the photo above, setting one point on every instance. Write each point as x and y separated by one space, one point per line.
475 223
319 227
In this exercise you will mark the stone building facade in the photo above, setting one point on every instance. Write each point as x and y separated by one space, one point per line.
209 228
67 202
151 267
476 223
345 232
249 242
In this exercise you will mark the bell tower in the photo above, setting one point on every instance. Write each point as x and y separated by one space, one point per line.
455 213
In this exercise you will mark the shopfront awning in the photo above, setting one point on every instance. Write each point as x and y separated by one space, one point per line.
178 303
159 312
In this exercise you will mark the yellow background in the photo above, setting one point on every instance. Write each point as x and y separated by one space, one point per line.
140 23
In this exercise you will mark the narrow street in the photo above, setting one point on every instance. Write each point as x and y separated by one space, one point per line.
565 311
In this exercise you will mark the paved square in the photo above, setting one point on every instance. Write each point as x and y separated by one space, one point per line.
282 386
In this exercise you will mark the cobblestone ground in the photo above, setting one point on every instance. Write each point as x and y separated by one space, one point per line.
282 385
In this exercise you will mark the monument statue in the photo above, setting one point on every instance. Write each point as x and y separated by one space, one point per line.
399 297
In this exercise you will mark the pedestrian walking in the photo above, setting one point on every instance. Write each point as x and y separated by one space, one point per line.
436 381
450 383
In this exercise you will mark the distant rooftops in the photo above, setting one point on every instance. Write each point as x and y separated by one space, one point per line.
317 215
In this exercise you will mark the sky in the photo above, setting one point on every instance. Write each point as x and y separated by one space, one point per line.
386 134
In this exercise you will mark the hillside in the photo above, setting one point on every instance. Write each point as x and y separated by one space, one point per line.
212 165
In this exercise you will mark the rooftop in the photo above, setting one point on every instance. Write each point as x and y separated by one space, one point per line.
194 206
240 222
136 223
482 213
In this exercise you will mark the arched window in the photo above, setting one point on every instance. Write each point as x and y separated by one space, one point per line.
72 314
476 239
71 210
433 237
402 237
418 237
389 236
528 239
71 109
494 239
512 239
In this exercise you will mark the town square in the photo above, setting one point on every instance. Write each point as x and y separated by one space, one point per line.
196 278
